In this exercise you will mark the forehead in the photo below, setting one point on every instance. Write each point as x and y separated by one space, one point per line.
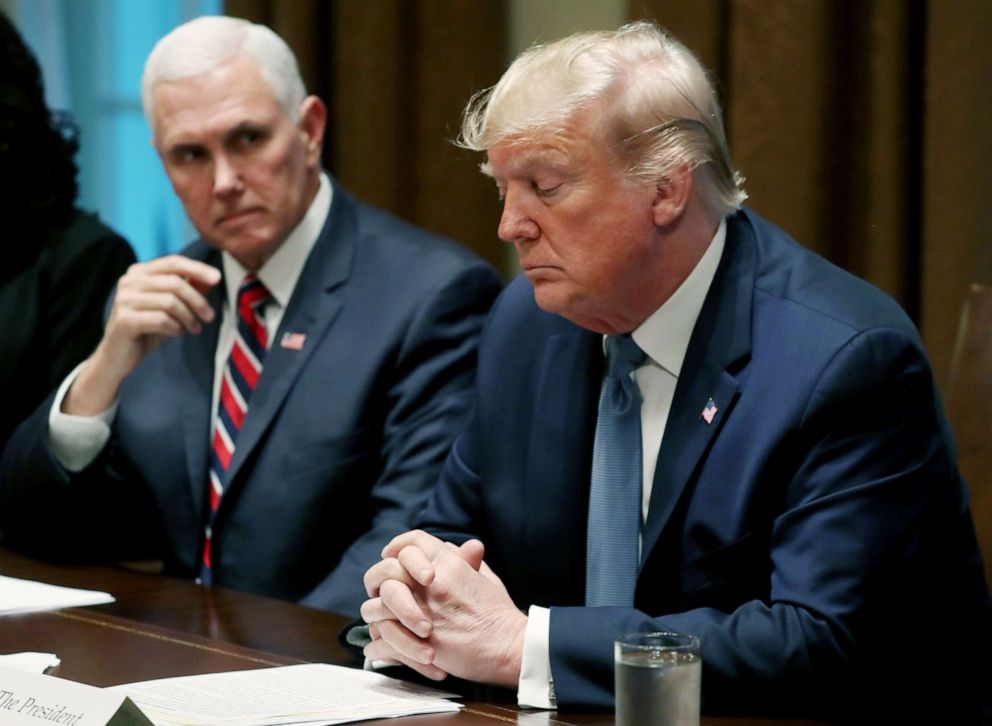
574 148
518 158
191 108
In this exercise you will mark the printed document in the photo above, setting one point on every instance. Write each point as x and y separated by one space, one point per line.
312 693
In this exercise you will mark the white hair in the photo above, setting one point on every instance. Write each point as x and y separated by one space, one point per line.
204 44
660 109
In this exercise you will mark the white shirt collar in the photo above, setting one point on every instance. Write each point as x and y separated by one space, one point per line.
280 272
664 336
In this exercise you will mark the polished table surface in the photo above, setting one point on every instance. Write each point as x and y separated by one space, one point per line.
160 626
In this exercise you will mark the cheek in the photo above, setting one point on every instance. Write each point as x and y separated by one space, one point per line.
196 196
272 178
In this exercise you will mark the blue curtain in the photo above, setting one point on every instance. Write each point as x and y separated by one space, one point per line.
92 53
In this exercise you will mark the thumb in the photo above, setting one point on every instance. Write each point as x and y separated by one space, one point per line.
472 552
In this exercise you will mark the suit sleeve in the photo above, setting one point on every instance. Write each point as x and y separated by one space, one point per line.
873 517
428 401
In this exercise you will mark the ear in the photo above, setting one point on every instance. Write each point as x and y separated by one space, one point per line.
313 117
671 196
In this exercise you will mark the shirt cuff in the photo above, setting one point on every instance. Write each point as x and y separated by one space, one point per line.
76 441
536 688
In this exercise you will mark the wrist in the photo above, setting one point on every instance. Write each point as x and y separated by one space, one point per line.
94 390
512 657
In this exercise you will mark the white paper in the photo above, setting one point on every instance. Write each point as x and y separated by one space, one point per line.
22 596
313 693
33 662
30 699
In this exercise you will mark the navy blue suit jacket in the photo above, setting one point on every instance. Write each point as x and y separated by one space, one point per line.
340 445
810 535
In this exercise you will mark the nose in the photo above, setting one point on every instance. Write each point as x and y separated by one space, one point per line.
227 177
516 223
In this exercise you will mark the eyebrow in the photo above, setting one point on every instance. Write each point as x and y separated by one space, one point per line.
184 147
554 158
251 126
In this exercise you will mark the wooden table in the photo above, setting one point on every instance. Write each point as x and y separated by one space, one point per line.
160 626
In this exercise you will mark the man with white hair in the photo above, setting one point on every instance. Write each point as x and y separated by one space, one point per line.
760 461
268 408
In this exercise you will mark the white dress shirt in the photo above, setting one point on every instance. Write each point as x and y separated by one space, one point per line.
664 337
77 440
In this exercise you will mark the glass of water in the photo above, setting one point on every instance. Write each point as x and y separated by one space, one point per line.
657 679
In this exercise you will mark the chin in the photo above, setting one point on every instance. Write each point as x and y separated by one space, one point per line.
555 301
251 253
571 308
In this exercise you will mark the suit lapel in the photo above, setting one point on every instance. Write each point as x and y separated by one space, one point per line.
315 303
560 442
720 340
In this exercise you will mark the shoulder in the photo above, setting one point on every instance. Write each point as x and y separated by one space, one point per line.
87 236
395 248
801 286
86 254
819 329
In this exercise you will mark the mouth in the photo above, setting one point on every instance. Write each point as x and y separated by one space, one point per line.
237 217
542 273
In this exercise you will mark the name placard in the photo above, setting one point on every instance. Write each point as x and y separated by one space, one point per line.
33 699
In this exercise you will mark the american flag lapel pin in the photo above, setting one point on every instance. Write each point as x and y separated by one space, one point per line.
293 341
709 411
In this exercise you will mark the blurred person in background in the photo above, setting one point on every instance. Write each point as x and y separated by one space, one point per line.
60 262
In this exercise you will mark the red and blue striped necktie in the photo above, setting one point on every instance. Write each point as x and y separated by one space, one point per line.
244 366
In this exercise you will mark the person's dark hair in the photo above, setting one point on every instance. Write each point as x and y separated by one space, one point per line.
37 146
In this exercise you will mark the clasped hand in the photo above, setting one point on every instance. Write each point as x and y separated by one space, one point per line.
439 609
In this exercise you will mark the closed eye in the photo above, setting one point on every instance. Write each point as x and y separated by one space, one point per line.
546 191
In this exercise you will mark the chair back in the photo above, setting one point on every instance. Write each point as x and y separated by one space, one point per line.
969 409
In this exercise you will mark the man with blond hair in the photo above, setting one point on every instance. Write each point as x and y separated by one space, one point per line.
760 460
269 407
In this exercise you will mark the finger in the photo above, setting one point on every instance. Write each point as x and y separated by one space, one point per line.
381 654
151 323
472 552
416 538
373 610
400 602
135 290
165 302
415 562
396 641
199 274
388 569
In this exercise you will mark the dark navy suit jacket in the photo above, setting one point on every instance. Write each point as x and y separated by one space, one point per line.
815 535
340 445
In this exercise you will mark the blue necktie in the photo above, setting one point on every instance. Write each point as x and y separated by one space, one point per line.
612 539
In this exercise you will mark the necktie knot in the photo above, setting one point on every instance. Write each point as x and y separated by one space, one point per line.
623 356
252 294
